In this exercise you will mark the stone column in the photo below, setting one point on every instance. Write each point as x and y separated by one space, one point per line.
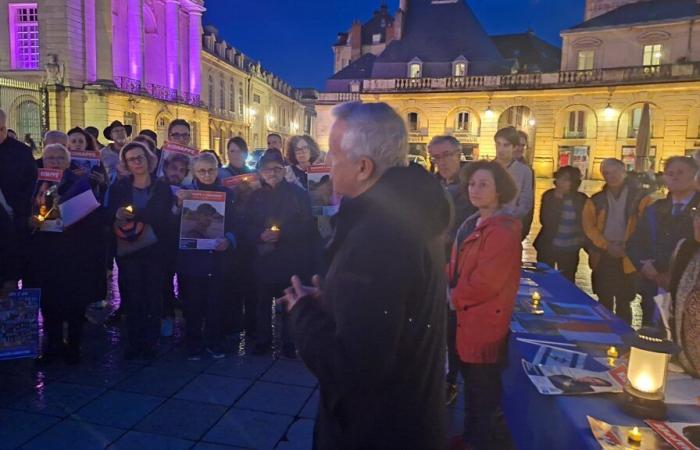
195 47
135 30
103 39
172 39
89 25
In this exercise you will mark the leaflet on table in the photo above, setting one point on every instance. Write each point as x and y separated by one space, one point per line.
558 380
242 184
85 160
681 436
528 282
19 326
324 202
615 437
45 200
548 307
682 389
551 355
203 219
172 152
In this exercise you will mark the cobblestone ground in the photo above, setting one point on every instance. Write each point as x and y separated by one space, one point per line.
171 403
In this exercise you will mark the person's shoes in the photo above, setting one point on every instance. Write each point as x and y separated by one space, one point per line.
166 327
288 351
131 354
194 354
216 353
260 349
149 354
451 394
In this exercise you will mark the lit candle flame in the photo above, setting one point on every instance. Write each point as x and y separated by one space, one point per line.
536 296
645 383
612 352
40 218
129 209
635 435
274 228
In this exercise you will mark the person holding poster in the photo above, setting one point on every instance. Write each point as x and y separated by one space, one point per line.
280 224
142 211
68 261
206 246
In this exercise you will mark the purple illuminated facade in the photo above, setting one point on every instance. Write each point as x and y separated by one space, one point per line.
156 48
24 36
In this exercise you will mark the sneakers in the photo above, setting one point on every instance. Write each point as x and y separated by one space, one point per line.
166 327
451 394
215 353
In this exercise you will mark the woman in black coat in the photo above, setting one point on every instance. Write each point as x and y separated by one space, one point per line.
66 265
141 208
280 224
561 237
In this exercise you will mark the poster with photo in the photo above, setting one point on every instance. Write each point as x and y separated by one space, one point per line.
203 220
560 380
681 436
87 161
45 200
615 437
173 152
324 202
242 185
19 325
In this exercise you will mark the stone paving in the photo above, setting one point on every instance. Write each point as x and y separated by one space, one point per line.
171 403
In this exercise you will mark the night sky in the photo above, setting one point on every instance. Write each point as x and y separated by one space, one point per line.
293 38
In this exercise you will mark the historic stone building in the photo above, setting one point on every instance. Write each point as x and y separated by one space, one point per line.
144 62
582 104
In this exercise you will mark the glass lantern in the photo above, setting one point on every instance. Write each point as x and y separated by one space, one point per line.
650 354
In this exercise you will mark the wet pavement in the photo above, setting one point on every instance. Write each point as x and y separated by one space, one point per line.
240 401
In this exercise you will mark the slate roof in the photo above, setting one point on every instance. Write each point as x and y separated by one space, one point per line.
643 12
357 70
532 53
377 25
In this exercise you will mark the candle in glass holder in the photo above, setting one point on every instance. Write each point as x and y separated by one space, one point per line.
634 436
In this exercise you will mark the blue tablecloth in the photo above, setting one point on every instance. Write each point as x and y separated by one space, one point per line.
539 422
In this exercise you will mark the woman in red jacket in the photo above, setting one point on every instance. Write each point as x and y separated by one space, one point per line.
484 279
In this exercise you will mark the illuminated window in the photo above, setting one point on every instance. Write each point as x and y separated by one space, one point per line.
460 69
462 121
576 127
232 97
24 36
653 54
413 122
414 70
585 59
222 94
240 98
376 38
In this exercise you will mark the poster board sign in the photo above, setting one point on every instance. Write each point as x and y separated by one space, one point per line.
87 161
19 324
203 220
170 152
681 436
45 200
324 202
561 380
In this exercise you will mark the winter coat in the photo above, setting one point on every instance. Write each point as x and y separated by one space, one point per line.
376 338
485 275
18 173
550 217
289 208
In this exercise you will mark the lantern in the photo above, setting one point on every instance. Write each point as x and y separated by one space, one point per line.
646 374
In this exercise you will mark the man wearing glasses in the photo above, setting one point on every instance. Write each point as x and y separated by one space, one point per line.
179 132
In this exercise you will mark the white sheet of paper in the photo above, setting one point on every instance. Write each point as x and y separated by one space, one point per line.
75 209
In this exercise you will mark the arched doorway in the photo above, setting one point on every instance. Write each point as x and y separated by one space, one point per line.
522 118
28 119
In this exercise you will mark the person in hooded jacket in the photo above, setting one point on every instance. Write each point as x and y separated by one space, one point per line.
374 334
484 275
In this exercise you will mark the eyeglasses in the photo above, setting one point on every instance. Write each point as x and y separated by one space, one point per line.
271 170
136 160
301 149
442 156
55 158
205 171
180 135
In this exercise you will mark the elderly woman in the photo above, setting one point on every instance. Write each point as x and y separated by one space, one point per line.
67 263
484 275
142 210
302 153
200 273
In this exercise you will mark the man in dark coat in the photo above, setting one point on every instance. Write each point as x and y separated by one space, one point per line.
375 334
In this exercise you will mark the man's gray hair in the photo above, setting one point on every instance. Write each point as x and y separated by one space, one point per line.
55 137
59 147
453 141
613 161
207 158
374 131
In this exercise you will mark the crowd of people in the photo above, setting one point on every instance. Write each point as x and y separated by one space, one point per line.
420 263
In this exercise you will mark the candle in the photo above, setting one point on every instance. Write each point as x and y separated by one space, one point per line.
274 228
612 352
634 436
536 297
129 209
40 218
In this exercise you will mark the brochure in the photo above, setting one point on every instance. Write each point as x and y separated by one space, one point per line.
681 436
172 151
324 202
202 222
85 160
78 207
19 325
559 380
45 200
615 437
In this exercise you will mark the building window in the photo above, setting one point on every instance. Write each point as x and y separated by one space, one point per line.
222 95
211 91
462 122
132 118
652 54
635 119
256 98
414 70
232 97
307 124
460 69
376 38
585 59
576 127
28 118
240 98
413 122
24 36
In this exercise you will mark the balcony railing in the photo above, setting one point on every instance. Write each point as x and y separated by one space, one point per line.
604 77
574 134
155 91
338 97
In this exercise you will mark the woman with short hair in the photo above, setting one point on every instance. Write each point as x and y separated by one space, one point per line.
237 153
141 209
484 273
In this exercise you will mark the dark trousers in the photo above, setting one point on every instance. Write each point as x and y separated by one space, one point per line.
240 306
169 298
565 262
453 362
615 289
142 282
648 290
54 317
202 303
482 395
266 292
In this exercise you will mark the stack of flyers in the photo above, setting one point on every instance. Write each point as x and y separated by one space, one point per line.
615 437
681 436
45 200
323 200
202 223
552 353
86 161
560 380
173 152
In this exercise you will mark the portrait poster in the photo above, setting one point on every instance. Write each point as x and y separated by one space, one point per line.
203 220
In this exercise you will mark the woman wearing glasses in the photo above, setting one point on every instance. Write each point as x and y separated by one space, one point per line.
200 273
280 224
142 210
302 153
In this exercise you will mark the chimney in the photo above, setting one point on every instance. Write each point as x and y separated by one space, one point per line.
390 33
398 24
403 5
355 41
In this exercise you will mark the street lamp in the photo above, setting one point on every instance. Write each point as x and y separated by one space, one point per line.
650 354
489 112
609 111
